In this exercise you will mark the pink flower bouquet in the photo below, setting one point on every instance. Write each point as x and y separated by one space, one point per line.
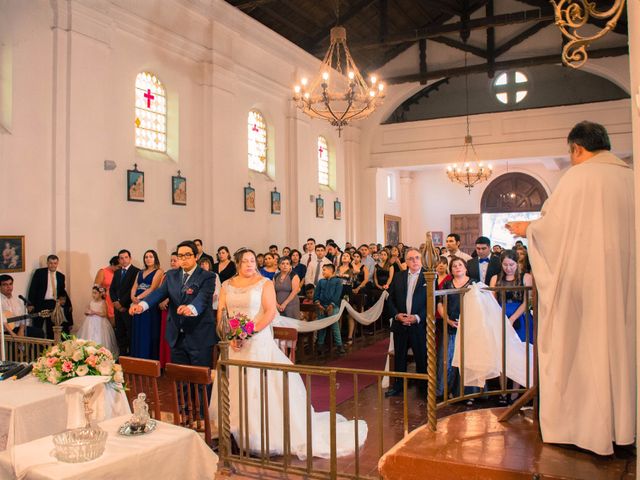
241 327
76 358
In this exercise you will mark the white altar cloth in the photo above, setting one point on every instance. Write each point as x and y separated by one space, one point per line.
168 452
30 409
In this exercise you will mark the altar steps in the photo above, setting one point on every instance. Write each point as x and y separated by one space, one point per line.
473 445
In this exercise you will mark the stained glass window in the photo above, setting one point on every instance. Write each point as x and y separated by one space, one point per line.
151 113
323 161
257 134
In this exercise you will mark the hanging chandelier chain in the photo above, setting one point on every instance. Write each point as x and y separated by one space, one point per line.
466 91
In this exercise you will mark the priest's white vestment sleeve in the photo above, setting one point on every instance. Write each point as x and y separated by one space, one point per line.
582 251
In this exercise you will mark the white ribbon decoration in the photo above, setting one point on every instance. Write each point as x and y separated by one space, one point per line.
365 318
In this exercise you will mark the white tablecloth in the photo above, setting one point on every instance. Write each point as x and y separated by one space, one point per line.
170 452
31 409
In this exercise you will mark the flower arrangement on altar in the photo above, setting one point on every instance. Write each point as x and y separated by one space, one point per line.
241 327
77 358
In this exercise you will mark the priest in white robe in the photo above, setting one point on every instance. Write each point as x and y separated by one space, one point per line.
582 251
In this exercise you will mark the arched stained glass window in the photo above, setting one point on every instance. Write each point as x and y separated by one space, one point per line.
323 161
257 146
151 113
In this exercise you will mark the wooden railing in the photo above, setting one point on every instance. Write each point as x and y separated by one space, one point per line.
25 349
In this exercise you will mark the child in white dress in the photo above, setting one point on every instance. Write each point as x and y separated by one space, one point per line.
96 326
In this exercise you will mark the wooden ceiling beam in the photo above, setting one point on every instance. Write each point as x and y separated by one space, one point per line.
384 17
285 21
491 42
295 7
325 31
422 44
441 6
512 18
503 65
521 37
465 47
250 5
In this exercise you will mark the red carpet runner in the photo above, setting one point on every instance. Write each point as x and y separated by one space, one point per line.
372 357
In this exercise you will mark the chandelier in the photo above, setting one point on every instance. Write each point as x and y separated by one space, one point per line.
335 100
571 16
468 174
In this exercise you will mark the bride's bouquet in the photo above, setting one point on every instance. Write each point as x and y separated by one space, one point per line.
241 327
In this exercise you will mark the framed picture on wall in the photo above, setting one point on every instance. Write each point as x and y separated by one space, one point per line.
391 230
337 210
178 190
135 185
276 205
319 207
12 253
249 198
438 239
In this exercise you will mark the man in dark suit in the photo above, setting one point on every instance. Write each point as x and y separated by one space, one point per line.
408 305
47 287
484 266
191 326
201 253
120 292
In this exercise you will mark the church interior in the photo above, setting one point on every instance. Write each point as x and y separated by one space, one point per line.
137 124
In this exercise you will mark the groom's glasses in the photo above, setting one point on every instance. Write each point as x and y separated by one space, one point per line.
182 256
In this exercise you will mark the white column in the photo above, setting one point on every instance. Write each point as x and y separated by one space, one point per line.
208 176
351 182
60 132
406 180
290 202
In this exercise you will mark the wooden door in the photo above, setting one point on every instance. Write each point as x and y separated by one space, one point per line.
469 227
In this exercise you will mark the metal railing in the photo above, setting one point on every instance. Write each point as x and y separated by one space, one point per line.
243 453
501 293
25 349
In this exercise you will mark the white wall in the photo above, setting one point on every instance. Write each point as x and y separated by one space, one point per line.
433 198
536 138
72 69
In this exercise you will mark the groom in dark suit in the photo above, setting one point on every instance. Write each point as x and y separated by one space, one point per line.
120 293
408 305
191 326
484 266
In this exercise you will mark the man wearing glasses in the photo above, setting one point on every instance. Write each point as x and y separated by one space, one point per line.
191 327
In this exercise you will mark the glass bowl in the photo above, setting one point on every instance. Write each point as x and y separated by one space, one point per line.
80 444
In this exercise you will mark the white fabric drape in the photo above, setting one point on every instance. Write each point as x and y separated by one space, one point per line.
365 318
483 342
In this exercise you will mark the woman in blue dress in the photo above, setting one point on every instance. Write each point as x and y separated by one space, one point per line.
511 276
145 337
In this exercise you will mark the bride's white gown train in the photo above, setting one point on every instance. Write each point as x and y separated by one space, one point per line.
262 348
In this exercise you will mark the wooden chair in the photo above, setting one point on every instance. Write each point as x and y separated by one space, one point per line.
141 376
190 403
309 313
287 339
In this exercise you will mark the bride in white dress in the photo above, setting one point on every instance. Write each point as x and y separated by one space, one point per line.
254 295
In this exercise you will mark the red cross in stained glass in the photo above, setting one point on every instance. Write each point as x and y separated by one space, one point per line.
254 128
321 150
149 97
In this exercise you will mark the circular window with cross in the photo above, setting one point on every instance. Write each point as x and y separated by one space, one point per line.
511 87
